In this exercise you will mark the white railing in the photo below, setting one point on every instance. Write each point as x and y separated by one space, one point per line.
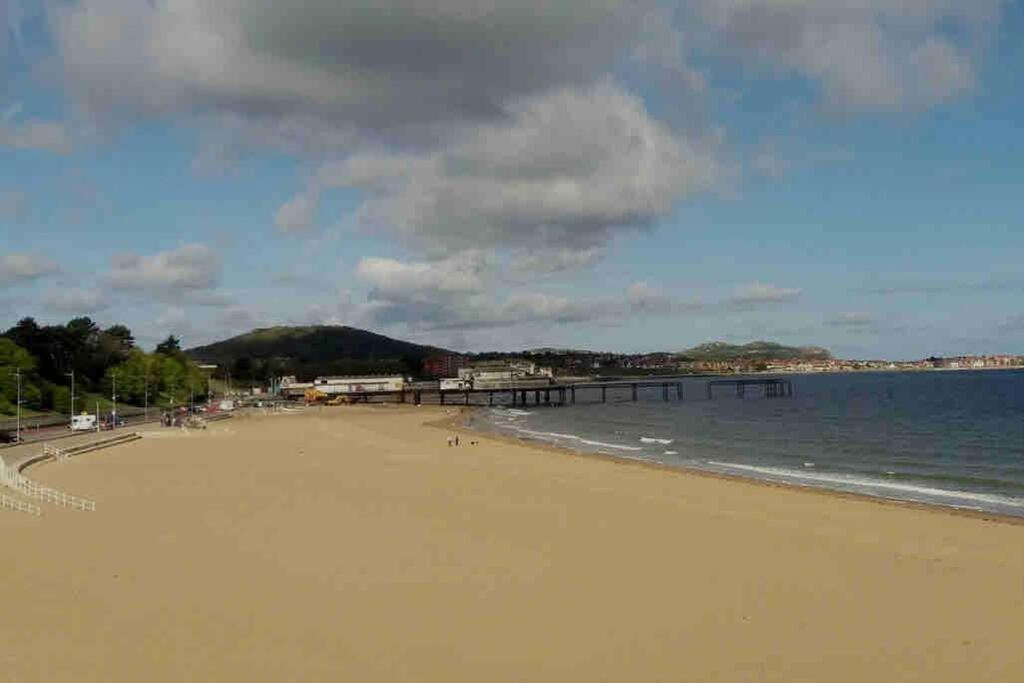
30 489
16 505
54 452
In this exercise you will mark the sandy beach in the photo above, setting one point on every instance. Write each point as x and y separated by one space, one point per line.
354 544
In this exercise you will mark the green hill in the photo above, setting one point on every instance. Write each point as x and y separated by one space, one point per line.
314 350
758 350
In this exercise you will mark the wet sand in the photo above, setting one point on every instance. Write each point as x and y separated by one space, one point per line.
353 544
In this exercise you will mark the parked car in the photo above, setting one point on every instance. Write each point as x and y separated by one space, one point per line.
8 437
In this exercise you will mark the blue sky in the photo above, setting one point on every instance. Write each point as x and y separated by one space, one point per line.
618 175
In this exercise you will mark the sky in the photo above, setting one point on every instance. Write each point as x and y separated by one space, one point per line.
616 175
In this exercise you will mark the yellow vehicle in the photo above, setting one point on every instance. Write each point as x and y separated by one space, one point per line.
314 396
339 400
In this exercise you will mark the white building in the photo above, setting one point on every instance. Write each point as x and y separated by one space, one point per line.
358 385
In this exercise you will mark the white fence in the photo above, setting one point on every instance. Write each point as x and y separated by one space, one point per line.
16 505
14 480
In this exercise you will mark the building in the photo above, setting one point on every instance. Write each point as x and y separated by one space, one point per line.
290 387
443 365
358 385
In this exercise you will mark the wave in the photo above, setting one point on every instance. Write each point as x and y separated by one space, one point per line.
878 486
573 437
651 439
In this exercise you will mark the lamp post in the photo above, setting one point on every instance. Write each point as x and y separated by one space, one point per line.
146 397
72 375
17 373
113 399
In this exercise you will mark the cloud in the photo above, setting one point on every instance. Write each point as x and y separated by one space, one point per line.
186 269
567 170
296 216
551 261
852 321
173 320
75 301
760 294
19 268
876 55
33 134
374 66
456 293
465 272
13 206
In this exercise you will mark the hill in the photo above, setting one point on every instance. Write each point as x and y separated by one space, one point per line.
758 350
313 350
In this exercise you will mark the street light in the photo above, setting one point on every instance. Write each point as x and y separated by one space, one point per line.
17 373
72 374
113 399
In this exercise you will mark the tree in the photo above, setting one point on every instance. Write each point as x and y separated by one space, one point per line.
122 335
12 359
170 346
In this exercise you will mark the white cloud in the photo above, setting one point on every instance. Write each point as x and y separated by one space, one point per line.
550 261
465 272
760 294
173 320
874 55
297 215
567 170
188 268
17 268
33 134
75 301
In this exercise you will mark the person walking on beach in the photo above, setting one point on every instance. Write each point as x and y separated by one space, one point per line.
449 441
456 439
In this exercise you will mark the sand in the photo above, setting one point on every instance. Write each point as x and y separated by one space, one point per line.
351 544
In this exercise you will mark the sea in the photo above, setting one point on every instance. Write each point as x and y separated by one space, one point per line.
947 438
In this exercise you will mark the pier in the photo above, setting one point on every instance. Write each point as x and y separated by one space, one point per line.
533 395
771 388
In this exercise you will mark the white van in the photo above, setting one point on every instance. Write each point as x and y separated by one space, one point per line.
83 423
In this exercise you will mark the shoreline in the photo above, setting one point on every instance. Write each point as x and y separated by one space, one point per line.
460 421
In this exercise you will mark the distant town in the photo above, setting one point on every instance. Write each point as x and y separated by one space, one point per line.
585 363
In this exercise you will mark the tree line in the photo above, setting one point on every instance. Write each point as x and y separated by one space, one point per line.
47 355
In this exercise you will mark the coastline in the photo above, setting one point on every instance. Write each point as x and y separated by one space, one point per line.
461 421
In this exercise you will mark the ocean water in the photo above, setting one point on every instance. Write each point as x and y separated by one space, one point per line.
945 438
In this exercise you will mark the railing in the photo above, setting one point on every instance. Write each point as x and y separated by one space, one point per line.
54 452
16 505
15 481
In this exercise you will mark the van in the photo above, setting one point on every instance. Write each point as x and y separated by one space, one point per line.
83 423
